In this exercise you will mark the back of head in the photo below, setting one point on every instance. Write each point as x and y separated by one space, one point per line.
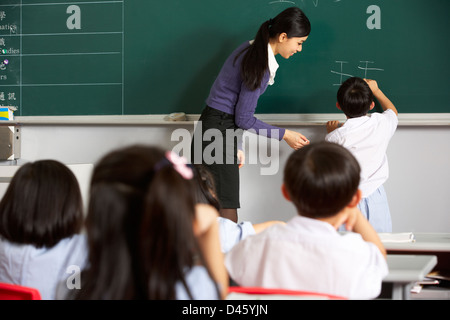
355 97
42 205
141 210
321 179
118 185
205 188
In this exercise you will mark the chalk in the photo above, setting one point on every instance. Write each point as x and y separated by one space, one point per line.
176 116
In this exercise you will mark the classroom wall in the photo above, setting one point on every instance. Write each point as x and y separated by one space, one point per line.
418 188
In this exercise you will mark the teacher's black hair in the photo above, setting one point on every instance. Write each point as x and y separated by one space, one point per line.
291 21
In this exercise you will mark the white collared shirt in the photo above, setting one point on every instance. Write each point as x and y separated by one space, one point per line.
308 255
367 138
273 64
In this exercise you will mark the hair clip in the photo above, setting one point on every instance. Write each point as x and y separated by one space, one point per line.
180 164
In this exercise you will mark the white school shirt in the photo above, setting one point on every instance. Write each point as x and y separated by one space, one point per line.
367 138
273 65
308 255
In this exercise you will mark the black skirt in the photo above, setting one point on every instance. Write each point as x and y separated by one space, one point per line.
220 157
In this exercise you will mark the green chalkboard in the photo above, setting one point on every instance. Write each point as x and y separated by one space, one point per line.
93 57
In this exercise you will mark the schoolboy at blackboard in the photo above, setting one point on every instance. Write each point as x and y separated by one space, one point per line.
367 137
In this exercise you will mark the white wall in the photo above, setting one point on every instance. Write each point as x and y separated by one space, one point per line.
418 188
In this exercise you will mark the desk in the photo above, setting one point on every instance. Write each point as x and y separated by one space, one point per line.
431 242
405 270
436 244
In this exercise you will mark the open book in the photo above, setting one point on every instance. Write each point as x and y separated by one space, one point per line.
397 237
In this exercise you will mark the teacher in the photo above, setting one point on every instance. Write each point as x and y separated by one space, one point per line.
233 99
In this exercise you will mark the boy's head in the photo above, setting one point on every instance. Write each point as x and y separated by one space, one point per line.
321 179
355 98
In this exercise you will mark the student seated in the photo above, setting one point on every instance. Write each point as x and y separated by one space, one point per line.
41 217
308 254
147 238
230 231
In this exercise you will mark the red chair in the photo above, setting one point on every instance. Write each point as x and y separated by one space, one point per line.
261 293
16 292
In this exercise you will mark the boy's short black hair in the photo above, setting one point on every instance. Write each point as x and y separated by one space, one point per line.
321 179
355 97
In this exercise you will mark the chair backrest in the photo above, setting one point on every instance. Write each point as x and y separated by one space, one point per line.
16 292
257 293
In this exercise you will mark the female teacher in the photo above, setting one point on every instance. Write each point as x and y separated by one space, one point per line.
234 96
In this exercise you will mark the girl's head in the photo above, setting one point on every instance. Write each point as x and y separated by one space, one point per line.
141 210
286 32
118 185
42 205
321 179
205 186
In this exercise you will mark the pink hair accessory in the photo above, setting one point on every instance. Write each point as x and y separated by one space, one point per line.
180 164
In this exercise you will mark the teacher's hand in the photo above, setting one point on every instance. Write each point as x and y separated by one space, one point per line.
241 158
295 139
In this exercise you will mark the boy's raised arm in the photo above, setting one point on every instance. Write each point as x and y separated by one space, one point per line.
381 97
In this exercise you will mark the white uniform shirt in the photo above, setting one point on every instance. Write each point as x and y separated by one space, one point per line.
367 138
308 255
273 65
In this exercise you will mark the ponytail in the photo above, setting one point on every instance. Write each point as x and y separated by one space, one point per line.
291 21
255 61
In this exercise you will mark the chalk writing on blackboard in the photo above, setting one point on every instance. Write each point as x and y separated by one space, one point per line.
282 1
366 67
363 65
314 2
341 73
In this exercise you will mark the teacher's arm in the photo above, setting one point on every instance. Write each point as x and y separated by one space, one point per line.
245 119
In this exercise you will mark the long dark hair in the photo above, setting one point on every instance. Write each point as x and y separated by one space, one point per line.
42 205
291 21
139 227
205 188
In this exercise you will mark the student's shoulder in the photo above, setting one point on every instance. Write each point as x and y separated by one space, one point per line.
387 120
336 135
387 115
